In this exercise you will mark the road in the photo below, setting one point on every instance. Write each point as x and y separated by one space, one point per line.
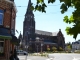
55 56
65 56
23 57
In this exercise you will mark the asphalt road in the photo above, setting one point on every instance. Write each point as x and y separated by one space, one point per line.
55 56
65 56
23 57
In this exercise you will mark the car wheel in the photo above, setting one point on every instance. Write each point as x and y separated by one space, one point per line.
24 53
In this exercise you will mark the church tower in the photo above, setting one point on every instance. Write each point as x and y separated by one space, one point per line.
29 25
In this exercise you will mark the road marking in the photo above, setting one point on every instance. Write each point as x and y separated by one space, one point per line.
76 58
24 59
49 59
28 59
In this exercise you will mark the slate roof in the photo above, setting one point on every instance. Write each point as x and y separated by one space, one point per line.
54 33
46 33
77 42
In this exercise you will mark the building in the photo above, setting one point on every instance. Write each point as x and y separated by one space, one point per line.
37 40
8 40
76 45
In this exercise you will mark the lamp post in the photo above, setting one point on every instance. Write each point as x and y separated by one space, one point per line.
27 32
41 45
37 40
27 50
30 45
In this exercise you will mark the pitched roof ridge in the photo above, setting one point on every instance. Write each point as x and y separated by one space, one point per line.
44 31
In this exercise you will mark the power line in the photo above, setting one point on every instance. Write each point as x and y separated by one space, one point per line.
35 4
42 14
46 13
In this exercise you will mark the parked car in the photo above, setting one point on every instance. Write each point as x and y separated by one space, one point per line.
22 52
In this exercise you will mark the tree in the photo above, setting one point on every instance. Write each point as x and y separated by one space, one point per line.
69 46
60 48
48 49
54 48
74 19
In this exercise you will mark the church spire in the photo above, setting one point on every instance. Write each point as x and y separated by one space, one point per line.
29 11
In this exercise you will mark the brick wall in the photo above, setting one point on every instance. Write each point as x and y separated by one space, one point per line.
8 14
8 22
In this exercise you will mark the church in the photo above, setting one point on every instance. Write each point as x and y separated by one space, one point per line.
37 40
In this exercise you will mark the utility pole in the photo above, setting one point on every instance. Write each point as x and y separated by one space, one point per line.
27 44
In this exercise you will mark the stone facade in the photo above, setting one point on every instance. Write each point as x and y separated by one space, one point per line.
45 39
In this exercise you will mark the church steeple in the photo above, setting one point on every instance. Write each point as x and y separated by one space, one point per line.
29 11
29 24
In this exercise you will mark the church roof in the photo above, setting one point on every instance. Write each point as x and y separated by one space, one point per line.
46 33
29 11
54 33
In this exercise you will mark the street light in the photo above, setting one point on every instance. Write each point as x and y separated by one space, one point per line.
27 32
41 45
37 40
27 52
30 44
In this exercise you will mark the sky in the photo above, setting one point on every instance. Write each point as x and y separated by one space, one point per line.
50 21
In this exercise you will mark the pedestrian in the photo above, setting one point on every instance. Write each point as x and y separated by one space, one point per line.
11 56
15 55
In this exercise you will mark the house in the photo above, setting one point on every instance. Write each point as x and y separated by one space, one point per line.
8 40
76 45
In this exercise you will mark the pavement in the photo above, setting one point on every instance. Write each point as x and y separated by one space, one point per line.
53 56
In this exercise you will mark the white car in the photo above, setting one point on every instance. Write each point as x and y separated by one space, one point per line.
22 52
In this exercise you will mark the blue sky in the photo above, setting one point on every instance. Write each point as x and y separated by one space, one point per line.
50 21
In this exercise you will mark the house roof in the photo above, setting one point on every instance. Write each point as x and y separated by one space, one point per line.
12 2
46 33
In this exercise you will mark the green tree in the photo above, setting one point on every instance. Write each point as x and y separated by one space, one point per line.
69 46
74 19
48 49
60 48
54 48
